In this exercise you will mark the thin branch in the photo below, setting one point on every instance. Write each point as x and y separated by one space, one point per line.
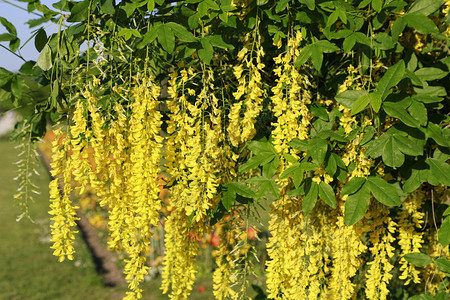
22 8
19 56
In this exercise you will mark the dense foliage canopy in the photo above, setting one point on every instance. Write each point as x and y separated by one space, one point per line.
337 110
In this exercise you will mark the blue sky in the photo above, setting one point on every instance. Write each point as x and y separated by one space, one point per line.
18 18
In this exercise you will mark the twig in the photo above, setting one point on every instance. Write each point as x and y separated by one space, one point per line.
19 56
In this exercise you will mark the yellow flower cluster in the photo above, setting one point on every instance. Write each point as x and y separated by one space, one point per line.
64 214
223 277
347 248
290 97
120 164
179 258
381 236
248 75
286 274
354 153
410 238
196 158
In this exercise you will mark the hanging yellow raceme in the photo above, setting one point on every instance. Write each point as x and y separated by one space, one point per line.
64 214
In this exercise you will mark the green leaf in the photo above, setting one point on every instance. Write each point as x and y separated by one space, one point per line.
316 57
17 85
45 59
79 11
391 78
446 212
290 158
429 74
398 27
418 259
27 68
332 18
252 163
107 6
331 166
353 185
396 111
326 46
319 111
289 171
348 98
207 52
324 134
419 112
14 44
348 43
443 265
369 132
281 5
40 40
375 101
435 132
326 193
241 189
424 7
364 3
440 170
356 206
421 23
360 104
305 53
310 3
392 156
377 5
413 182
317 148
149 37
264 185
166 38
270 168
193 21
6 37
150 5
9 26
444 232
407 146
217 41
181 32
228 197
375 147
298 177
310 199
383 191
299 144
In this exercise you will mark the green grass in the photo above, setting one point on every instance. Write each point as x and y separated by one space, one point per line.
28 270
